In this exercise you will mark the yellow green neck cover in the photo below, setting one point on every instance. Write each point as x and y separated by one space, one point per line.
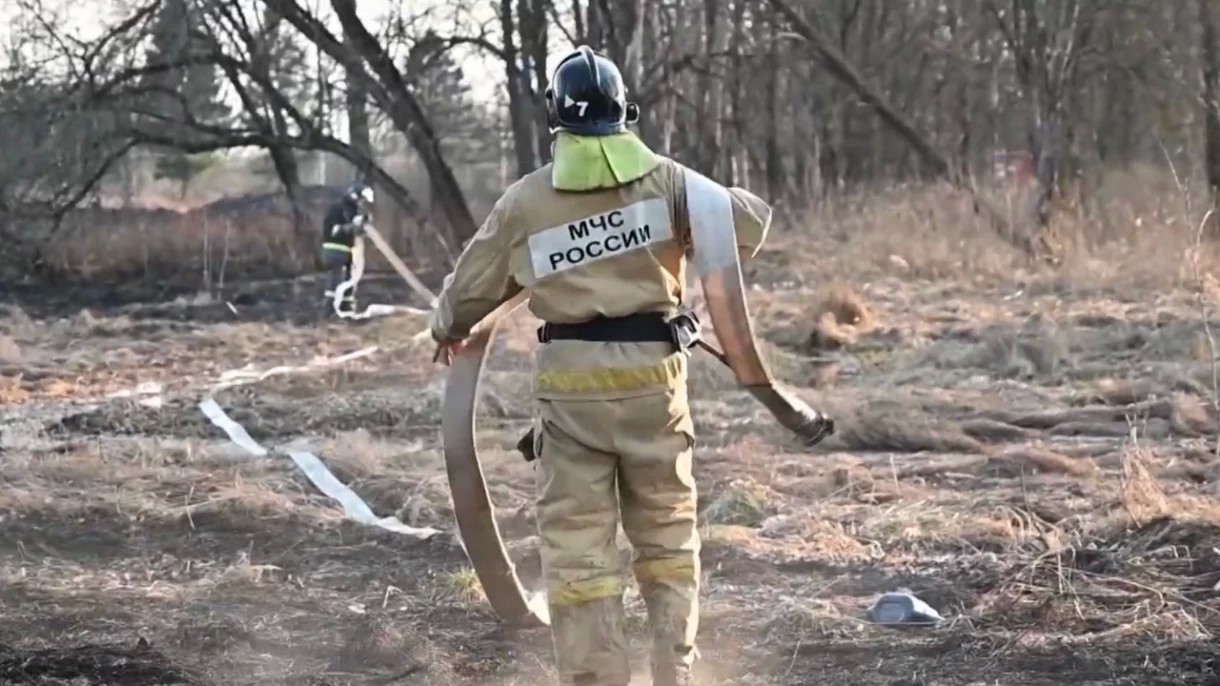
586 163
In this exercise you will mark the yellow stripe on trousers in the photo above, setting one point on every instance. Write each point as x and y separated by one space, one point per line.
579 592
664 373
651 571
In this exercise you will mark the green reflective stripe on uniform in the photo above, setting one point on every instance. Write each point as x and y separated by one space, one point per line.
665 373
585 163
337 246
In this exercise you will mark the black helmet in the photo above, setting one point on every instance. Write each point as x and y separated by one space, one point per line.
359 192
587 96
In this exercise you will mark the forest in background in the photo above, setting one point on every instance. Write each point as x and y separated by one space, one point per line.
1056 122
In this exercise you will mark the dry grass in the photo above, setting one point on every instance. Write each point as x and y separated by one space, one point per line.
1028 448
98 244
460 586
740 502
1131 233
360 454
376 642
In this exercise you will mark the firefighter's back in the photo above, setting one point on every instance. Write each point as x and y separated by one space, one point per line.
610 254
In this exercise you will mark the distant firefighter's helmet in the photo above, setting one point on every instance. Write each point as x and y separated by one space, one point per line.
360 193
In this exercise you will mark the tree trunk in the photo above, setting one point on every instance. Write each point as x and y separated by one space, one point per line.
775 157
735 133
520 109
403 109
286 168
648 125
708 126
1211 97
358 119
532 27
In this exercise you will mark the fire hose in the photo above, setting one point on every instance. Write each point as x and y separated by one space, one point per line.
718 267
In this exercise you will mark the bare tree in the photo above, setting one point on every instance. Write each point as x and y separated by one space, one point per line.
1211 95
1048 41
871 93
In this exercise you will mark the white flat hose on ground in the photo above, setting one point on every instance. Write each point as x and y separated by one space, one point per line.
316 471
240 377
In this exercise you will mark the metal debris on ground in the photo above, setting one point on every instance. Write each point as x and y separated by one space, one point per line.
903 609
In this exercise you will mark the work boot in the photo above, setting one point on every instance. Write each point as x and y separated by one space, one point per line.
668 672
673 617
590 643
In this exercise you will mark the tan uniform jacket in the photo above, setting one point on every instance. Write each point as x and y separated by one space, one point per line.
610 252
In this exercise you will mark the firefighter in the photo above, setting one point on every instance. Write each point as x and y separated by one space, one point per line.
599 239
342 228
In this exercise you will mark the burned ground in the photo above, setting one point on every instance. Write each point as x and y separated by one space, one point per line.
1035 458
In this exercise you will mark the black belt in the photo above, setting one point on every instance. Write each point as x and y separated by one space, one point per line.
642 327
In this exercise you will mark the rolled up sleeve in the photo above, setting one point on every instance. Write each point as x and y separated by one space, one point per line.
751 220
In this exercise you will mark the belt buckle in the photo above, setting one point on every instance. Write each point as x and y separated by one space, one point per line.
544 333
685 328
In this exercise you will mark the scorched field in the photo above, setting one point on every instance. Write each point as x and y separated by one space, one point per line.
1032 453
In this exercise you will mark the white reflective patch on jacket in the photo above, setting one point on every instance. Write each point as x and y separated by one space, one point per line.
600 236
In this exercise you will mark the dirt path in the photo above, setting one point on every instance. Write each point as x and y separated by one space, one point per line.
1041 469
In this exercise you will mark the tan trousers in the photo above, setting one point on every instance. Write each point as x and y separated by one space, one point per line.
600 458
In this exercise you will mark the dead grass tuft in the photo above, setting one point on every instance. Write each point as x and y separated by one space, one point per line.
375 642
459 587
813 618
740 502
852 477
359 453
247 497
841 317
1142 496
821 539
